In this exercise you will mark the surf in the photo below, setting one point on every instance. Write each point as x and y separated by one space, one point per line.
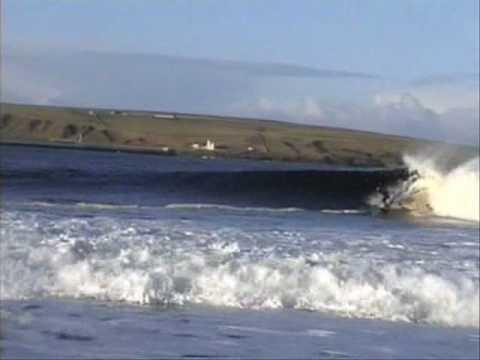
156 261
429 189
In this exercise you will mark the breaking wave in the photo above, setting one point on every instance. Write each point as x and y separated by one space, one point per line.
174 206
108 260
453 193
193 206
184 181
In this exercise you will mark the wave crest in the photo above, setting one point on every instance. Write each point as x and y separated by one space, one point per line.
453 193
222 275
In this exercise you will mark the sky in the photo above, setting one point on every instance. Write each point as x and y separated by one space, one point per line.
406 67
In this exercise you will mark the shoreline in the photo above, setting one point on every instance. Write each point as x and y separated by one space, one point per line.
208 136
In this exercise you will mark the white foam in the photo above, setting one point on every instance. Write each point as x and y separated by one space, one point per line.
159 262
195 206
145 276
344 211
84 205
452 194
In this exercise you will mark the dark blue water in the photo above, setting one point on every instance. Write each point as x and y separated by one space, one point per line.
122 255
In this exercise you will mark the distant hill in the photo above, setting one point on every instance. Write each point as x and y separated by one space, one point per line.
228 137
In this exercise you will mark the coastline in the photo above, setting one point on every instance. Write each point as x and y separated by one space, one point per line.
208 136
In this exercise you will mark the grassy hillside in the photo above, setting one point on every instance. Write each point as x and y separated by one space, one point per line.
175 133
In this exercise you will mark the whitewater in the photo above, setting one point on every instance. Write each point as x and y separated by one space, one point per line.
131 259
453 193
433 189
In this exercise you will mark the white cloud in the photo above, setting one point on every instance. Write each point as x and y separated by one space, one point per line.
443 110
436 98
402 114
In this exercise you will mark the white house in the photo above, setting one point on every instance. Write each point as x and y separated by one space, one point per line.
210 145
164 116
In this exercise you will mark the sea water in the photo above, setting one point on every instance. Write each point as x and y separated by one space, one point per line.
125 255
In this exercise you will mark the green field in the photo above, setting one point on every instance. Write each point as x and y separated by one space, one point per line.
176 133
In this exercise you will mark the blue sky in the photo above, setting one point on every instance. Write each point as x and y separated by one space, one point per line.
390 38
425 50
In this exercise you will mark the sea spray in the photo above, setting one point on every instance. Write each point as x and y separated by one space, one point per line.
401 275
430 189
454 193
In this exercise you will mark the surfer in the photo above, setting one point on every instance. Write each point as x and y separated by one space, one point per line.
385 196
393 198
413 176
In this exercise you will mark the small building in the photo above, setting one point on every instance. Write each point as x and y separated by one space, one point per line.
250 149
91 113
164 116
209 146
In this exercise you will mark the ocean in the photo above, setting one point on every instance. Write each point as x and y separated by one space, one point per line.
117 255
